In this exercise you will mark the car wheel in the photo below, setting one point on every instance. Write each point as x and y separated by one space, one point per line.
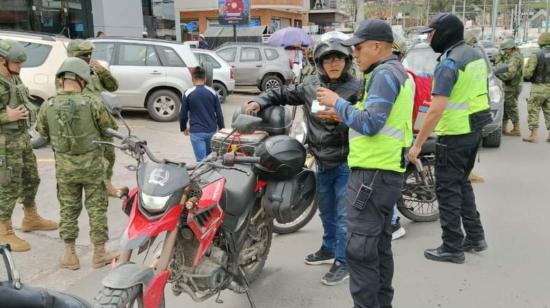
163 105
271 82
493 139
220 90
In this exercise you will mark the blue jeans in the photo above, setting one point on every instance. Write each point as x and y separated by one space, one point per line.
201 144
332 188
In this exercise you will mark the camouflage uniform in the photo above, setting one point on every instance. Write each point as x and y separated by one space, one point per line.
513 81
539 74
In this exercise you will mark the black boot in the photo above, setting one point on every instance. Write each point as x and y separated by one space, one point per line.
476 246
439 254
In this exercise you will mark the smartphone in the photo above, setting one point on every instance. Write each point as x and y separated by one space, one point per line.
316 107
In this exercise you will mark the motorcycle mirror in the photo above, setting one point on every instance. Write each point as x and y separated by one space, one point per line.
112 102
246 123
501 68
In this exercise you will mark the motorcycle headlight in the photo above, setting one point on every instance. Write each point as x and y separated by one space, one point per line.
495 93
153 203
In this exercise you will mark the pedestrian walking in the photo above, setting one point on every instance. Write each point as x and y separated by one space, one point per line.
101 80
513 81
458 112
537 71
379 136
328 140
201 106
18 171
71 122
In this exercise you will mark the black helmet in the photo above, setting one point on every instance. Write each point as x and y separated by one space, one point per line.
330 47
281 158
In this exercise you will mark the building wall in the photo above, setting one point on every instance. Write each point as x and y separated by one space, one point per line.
118 18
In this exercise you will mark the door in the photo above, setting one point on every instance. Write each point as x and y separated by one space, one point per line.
137 68
250 64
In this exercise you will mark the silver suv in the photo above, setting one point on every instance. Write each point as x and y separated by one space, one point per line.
256 64
152 74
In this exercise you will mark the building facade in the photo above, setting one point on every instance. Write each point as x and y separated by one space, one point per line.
196 16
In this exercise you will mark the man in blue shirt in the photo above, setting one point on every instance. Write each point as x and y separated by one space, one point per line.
202 107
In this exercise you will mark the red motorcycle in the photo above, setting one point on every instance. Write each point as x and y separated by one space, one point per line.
217 217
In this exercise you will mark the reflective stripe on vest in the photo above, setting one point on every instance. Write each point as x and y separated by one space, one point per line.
385 150
469 95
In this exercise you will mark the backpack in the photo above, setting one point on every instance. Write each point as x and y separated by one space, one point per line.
422 96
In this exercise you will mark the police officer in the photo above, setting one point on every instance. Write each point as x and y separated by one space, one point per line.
380 134
100 80
71 122
328 140
18 172
513 80
537 71
458 112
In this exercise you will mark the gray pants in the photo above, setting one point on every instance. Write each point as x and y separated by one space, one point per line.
368 245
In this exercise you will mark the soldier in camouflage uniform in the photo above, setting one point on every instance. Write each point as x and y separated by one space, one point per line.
513 81
18 172
537 71
71 122
101 80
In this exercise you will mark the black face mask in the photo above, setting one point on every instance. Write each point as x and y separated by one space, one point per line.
449 32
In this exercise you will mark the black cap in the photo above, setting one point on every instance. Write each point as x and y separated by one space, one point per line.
371 30
442 19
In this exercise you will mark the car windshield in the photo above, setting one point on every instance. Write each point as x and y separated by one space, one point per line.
421 60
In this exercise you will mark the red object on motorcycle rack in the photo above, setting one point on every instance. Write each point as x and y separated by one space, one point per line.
261 184
205 219
155 290
140 225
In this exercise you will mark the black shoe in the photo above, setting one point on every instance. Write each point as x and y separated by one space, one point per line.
397 231
337 274
438 254
476 246
320 257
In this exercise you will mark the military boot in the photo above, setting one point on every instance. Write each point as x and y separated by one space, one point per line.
515 131
70 259
116 192
101 257
505 128
533 137
8 236
32 221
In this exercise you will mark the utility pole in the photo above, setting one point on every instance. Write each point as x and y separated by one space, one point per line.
391 12
427 12
360 4
494 19
454 7
547 14
464 11
483 20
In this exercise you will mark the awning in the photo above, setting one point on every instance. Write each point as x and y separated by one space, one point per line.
220 31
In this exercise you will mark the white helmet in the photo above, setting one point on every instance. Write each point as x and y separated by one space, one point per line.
334 34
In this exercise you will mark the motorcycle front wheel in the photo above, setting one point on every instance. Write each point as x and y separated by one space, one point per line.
299 222
119 298
418 201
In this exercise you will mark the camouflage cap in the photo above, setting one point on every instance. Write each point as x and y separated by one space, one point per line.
399 45
13 51
544 39
79 47
508 44
76 66
470 38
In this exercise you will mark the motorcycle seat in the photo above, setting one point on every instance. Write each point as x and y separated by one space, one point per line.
429 146
239 190
31 297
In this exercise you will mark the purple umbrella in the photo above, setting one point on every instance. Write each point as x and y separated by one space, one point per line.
289 37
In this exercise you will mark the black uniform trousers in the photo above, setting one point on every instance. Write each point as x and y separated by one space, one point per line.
368 245
455 159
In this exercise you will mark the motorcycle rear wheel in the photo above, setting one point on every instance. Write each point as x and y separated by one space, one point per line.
418 202
119 298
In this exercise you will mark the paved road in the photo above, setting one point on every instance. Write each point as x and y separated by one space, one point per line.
514 207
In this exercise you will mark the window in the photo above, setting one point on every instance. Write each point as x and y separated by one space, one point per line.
228 54
103 51
36 53
205 58
137 55
271 54
250 54
170 57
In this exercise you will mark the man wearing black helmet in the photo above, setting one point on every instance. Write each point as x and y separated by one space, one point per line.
328 139
458 112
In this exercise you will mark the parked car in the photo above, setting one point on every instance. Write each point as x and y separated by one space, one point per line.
45 53
224 74
152 74
422 60
257 64
490 49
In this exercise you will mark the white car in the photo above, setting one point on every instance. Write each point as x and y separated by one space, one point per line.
152 74
45 53
224 74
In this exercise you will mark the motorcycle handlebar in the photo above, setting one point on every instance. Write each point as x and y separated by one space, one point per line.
246 160
115 133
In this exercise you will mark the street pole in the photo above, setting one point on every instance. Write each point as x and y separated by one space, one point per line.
483 21
391 12
547 14
360 4
494 19
428 12
464 11
454 7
